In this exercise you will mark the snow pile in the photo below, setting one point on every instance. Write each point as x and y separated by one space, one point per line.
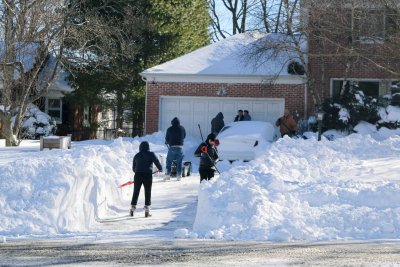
295 190
305 190
67 191
61 192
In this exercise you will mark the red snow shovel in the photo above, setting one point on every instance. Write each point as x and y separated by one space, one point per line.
132 182
125 184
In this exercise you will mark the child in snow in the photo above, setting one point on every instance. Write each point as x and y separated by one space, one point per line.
143 169
207 151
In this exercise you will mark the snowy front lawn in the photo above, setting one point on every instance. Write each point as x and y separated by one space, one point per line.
294 190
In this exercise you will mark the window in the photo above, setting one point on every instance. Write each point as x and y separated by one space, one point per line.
369 24
373 25
54 109
370 88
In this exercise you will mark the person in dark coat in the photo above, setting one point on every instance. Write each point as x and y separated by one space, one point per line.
239 116
143 168
174 139
208 153
287 125
246 115
217 123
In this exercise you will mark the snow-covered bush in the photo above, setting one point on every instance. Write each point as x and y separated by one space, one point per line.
345 113
395 96
37 123
390 117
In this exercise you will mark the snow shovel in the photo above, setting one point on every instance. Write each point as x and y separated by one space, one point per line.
203 149
132 182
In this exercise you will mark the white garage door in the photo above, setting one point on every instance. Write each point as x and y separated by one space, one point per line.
193 111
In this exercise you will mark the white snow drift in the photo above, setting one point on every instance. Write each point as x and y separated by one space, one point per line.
294 190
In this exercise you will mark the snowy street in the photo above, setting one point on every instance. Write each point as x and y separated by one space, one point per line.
80 252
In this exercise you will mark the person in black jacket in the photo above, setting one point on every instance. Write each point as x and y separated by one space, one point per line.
239 116
217 123
143 168
208 153
174 139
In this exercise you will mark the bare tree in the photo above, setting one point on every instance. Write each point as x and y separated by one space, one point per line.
244 15
237 10
41 35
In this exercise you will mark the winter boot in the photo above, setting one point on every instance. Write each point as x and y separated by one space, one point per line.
132 211
147 211
167 175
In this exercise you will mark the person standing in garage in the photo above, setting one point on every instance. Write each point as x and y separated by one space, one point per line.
217 123
239 116
174 139
246 115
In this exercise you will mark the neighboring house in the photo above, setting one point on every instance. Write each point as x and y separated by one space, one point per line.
366 27
70 119
29 54
52 101
223 77
83 122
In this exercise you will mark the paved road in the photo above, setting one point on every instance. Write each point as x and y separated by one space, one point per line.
196 253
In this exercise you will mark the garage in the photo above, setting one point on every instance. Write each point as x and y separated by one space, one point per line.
200 110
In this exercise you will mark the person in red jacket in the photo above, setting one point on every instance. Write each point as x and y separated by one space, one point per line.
208 153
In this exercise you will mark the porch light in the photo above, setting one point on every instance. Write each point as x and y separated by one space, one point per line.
221 92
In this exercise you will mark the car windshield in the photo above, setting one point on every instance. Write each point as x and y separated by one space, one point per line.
225 128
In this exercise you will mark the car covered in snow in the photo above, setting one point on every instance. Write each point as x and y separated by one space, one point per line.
240 140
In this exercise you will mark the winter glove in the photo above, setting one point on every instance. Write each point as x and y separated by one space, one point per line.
216 142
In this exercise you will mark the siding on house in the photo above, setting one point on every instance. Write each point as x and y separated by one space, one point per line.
294 95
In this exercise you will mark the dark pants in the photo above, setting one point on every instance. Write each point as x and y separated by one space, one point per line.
206 174
147 180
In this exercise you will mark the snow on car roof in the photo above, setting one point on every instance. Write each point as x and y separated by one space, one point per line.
247 128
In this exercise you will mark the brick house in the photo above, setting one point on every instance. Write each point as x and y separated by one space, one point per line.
362 47
221 77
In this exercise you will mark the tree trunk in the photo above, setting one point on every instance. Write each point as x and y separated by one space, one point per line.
6 131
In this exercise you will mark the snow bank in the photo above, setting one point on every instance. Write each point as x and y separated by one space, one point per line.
296 190
305 190
67 191
60 192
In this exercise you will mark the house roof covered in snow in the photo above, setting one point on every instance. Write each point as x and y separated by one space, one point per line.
27 54
235 58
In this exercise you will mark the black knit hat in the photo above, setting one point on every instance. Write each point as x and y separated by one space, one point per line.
211 137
